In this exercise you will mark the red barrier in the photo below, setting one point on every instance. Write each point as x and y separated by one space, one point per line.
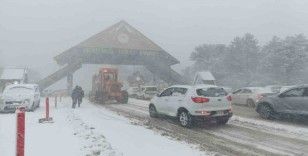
47 119
20 132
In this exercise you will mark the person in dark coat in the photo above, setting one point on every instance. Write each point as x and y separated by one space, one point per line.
81 95
77 95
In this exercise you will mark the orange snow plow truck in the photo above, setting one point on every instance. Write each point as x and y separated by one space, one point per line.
106 87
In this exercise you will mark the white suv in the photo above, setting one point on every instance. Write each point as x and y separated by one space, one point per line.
190 103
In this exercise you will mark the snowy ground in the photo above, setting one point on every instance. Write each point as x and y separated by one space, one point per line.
127 129
245 116
87 131
242 135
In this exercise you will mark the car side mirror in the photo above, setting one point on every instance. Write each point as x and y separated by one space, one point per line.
158 95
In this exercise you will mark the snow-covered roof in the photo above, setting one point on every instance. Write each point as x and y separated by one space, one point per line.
206 75
13 74
22 85
120 38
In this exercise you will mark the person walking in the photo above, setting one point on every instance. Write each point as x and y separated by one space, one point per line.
80 95
74 96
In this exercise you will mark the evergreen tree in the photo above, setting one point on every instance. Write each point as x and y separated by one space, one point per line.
242 59
285 60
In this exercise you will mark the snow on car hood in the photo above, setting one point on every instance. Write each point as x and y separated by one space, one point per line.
17 96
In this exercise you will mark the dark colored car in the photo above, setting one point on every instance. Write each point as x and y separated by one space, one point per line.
293 101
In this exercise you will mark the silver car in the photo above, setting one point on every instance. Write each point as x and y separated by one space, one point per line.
293 101
249 95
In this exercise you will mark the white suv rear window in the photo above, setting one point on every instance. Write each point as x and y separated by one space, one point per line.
211 92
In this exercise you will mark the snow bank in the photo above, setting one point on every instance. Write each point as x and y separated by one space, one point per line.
41 139
130 139
87 131
272 125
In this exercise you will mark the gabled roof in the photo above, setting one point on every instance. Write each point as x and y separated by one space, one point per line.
13 74
120 37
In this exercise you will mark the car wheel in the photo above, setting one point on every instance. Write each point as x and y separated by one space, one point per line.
251 103
265 111
222 120
124 98
185 119
153 111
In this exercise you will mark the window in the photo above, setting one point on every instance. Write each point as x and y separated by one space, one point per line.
297 92
246 91
179 91
237 91
305 94
212 92
167 92
108 76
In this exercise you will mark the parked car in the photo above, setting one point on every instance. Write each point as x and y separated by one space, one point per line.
133 92
249 95
147 92
293 101
192 103
284 88
16 95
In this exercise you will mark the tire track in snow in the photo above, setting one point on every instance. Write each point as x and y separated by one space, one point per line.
294 132
206 141
276 147
291 145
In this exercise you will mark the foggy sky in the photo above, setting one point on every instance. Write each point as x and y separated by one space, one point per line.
32 32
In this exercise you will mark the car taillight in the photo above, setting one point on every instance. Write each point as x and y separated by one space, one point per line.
229 98
200 99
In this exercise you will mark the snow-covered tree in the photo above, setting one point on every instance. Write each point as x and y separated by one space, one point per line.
242 59
244 63
209 57
285 60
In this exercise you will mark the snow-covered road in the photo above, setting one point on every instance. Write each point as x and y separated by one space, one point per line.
90 130
242 136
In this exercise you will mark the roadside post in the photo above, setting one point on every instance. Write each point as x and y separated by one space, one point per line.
47 119
20 132
56 101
